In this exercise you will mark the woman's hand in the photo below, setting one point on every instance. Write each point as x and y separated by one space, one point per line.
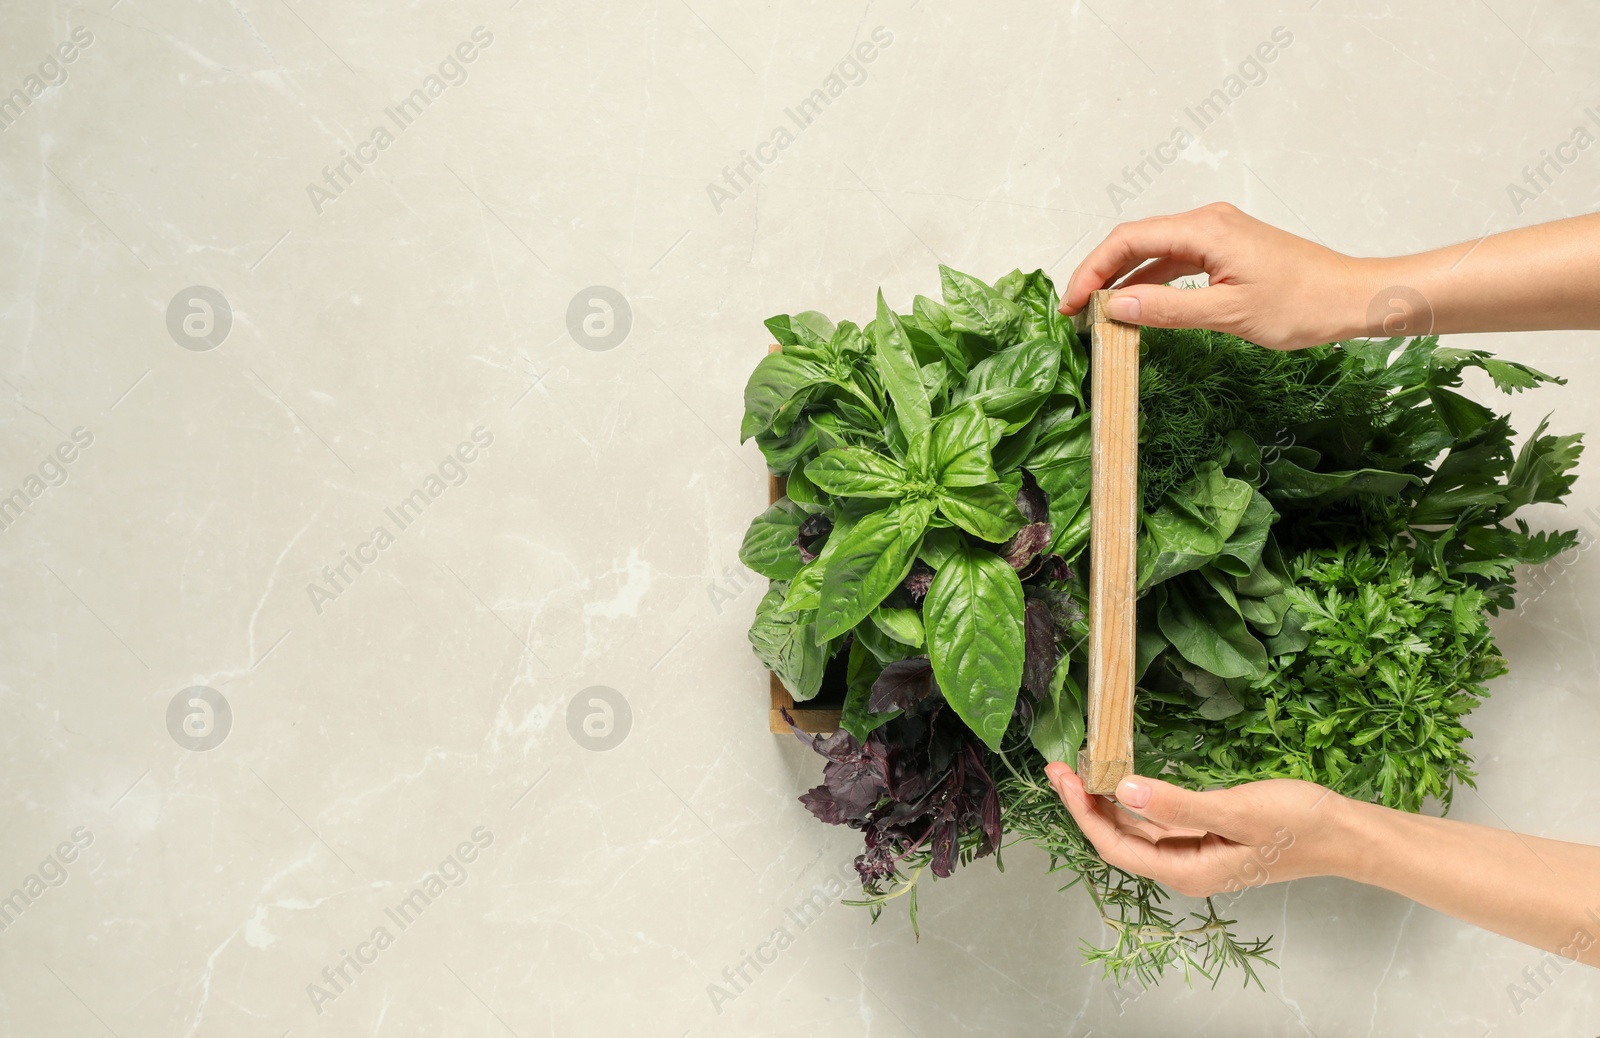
1281 291
1201 844
1266 285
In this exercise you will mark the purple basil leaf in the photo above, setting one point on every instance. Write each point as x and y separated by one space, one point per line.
1026 543
918 580
820 802
1032 501
901 685
944 850
813 534
1040 656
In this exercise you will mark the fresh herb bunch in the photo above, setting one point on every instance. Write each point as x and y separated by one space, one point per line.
1323 534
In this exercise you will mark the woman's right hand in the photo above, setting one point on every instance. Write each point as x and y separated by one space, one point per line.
1266 285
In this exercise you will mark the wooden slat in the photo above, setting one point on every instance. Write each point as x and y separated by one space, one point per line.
1113 530
806 718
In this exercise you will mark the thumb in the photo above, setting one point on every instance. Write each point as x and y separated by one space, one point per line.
1161 306
1175 806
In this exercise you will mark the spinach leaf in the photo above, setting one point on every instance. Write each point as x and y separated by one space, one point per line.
1208 633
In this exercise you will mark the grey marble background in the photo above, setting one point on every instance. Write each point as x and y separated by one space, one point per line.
405 721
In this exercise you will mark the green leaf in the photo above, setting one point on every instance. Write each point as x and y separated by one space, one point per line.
803 492
1064 439
773 384
784 450
1193 525
977 308
1013 383
1461 416
1509 376
870 561
786 643
1288 481
805 591
958 448
1058 725
1543 469
973 613
988 512
901 624
863 669
857 472
901 374
769 544
1036 296
1208 633
804 329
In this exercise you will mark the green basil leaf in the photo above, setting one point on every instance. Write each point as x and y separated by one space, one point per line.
805 591
901 624
784 451
773 384
857 472
958 448
931 344
1064 439
803 492
1036 295
769 544
988 512
973 613
977 308
1013 383
870 561
786 643
862 670
1058 726
901 374
804 329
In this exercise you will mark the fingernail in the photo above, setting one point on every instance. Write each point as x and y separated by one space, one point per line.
1122 308
1133 792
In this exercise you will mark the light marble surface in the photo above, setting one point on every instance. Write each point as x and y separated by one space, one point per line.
414 714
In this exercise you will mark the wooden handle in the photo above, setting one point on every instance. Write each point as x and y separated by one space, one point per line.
1113 531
